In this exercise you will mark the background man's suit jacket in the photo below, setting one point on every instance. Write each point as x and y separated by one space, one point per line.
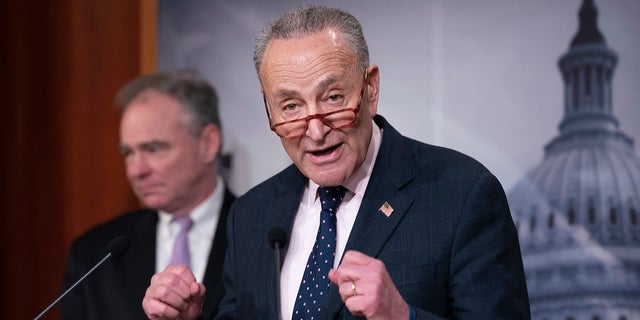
115 290
450 244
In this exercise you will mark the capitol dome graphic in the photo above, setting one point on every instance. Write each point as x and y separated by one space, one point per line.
577 212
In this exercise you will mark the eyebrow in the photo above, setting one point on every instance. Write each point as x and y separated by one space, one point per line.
283 93
153 143
123 148
328 81
144 145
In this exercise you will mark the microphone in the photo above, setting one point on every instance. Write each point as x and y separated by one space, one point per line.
116 248
277 240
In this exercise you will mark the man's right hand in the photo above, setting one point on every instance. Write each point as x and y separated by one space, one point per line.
174 294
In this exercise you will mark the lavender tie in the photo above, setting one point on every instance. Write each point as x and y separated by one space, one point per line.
181 253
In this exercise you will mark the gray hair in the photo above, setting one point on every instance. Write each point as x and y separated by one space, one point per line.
197 97
310 19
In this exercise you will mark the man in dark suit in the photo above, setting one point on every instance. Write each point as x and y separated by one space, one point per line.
170 137
423 232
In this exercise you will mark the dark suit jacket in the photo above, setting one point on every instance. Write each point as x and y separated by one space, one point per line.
450 244
115 290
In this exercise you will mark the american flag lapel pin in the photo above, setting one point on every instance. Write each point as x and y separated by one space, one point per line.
386 209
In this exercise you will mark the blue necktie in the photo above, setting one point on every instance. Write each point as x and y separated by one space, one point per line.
315 281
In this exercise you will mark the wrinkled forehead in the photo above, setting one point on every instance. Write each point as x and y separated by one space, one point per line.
310 58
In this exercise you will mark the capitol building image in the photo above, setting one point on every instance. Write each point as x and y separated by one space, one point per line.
578 211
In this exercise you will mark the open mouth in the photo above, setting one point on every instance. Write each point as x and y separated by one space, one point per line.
325 151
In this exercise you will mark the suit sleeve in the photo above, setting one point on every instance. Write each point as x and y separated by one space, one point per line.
487 278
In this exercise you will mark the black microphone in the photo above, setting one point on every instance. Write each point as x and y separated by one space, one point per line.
277 240
116 248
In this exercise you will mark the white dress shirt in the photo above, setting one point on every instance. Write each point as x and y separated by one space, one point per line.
307 221
205 221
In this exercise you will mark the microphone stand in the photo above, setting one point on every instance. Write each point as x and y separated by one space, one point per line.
277 249
72 286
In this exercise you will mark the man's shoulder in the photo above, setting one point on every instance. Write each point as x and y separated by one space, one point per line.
397 148
280 183
429 158
452 158
124 224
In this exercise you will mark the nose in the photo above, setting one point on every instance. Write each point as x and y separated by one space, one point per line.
317 130
137 166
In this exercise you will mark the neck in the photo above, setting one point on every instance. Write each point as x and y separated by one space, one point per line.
205 187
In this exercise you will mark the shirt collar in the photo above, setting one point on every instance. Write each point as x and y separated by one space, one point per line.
204 212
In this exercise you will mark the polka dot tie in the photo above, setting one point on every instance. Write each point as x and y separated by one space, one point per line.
315 281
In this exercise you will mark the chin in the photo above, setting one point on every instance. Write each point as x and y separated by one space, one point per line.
157 204
328 179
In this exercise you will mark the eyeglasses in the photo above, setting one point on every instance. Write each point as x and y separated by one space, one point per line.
337 119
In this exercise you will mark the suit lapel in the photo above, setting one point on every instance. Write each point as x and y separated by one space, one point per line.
142 256
212 276
374 226
285 202
283 208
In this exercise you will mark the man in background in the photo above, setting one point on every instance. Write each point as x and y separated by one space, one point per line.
380 226
170 138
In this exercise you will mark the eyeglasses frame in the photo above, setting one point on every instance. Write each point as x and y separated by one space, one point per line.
319 116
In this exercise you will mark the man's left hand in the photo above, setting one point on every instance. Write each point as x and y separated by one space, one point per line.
367 289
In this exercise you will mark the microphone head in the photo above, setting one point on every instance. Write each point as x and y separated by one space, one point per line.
119 246
277 235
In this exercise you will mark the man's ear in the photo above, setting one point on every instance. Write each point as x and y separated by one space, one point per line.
210 142
373 88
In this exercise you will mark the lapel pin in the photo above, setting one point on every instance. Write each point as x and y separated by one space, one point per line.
386 209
